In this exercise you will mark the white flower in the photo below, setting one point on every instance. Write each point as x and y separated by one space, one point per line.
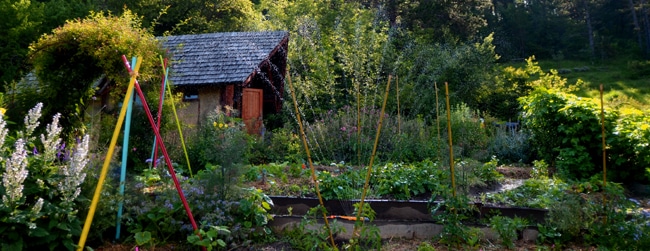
15 174
31 120
74 173
37 206
52 141
3 132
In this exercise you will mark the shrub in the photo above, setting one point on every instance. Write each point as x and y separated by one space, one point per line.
566 133
221 141
469 135
40 187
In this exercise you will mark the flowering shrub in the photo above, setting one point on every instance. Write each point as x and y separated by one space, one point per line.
40 187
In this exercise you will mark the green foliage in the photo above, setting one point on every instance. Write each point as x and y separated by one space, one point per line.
281 144
191 17
222 143
638 69
157 209
534 193
40 189
628 152
210 238
566 130
540 170
499 97
452 214
73 57
510 145
465 67
469 135
508 229
397 181
305 236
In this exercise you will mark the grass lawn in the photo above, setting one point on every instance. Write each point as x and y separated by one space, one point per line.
620 87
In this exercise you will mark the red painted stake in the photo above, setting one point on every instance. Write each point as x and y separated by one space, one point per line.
159 141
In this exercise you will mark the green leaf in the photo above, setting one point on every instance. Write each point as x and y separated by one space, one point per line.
39 232
266 205
142 238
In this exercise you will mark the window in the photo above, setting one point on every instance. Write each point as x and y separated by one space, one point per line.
190 95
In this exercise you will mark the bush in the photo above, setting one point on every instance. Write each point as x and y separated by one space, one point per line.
566 133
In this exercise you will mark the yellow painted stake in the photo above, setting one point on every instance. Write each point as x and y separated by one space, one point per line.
355 232
311 166
178 123
451 149
107 160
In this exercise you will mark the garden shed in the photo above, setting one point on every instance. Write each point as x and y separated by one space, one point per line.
241 70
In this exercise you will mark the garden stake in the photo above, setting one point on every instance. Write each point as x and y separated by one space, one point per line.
168 161
399 121
161 99
178 123
602 122
107 159
451 149
125 154
355 231
311 166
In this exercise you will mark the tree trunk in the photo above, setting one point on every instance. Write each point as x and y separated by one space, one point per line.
646 25
590 29
637 28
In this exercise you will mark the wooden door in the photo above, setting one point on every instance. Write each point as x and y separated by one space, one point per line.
252 100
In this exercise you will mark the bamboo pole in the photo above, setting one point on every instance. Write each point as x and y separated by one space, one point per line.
311 165
355 231
399 121
451 149
107 160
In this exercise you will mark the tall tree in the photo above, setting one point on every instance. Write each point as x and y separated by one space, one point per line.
69 60
446 20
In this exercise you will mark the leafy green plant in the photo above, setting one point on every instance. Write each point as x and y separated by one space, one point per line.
306 237
209 239
540 170
143 238
455 211
508 228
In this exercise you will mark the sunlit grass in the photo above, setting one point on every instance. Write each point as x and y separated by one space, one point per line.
620 88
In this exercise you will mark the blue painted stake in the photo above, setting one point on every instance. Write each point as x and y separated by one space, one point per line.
125 154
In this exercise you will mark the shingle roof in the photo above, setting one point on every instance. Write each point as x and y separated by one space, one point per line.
219 58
